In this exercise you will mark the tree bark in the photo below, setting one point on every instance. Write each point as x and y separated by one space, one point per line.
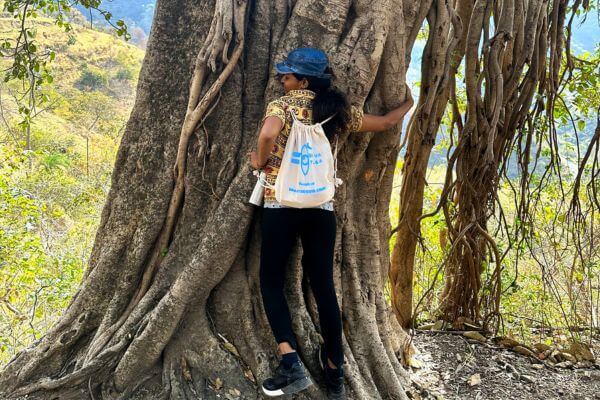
170 306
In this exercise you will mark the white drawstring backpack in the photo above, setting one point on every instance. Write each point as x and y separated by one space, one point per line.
307 176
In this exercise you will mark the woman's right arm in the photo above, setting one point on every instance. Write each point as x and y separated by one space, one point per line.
381 123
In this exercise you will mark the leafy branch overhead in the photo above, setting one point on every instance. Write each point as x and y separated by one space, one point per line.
29 59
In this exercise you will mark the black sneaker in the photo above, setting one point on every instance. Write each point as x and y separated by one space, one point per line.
287 381
335 384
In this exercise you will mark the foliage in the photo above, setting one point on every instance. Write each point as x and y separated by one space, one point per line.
35 279
92 80
29 57
51 196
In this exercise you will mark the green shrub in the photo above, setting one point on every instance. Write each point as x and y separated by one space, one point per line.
91 80
124 75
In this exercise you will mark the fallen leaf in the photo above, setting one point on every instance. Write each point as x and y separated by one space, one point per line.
439 325
581 351
413 362
507 342
523 350
540 347
249 375
218 383
474 335
231 348
475 379
528 378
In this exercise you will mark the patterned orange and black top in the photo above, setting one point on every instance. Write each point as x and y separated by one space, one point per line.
300 103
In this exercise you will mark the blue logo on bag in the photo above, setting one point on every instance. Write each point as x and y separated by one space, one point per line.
303 158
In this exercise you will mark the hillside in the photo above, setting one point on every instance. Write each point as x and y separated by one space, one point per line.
51 197
91 70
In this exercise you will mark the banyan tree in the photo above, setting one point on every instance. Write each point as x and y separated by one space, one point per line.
169 306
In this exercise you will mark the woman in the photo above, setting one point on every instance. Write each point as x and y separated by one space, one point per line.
306 79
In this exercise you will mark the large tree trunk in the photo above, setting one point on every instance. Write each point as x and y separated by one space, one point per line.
170 304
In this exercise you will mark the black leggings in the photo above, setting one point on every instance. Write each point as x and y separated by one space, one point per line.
316 227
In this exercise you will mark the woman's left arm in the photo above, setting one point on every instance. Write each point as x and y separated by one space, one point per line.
381 123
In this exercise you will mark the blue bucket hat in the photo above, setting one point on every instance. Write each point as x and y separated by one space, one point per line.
305 61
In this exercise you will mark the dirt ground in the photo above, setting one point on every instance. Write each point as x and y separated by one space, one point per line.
449 365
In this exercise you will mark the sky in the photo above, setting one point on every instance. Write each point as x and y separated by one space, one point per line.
586 35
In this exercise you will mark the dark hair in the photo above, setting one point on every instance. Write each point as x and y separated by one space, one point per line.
328 101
